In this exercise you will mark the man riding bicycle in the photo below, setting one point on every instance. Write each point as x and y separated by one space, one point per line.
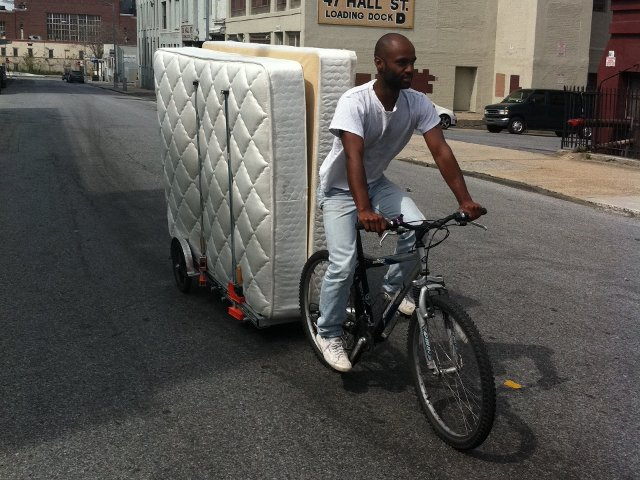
372 124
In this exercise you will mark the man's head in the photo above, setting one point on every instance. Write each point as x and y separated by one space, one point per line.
394 57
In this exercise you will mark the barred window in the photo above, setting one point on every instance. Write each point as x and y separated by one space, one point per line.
264 38
68 27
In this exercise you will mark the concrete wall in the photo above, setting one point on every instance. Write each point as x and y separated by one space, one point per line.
563 32
514 46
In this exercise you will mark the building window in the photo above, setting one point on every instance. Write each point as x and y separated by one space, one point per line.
599 5
51 53
294 4
164 15
3 52
278 38
68 27
81 54
3 30
15 52
264 38
281 5
30 52
293 39
238 8
260 6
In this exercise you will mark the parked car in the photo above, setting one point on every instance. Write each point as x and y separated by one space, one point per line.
75 76
447 117
3 76
530 109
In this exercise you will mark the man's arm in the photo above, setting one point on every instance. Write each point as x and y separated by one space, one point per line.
450 171
357 178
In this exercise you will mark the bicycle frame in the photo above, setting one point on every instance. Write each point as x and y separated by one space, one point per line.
383 326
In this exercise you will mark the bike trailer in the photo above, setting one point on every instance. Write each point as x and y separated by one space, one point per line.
251 244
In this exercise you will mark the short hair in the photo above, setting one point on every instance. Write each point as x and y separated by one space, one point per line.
384 43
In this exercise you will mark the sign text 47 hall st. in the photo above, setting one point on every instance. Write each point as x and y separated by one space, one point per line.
367 13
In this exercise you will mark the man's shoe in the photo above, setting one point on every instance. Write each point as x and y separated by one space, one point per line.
333 353
406 306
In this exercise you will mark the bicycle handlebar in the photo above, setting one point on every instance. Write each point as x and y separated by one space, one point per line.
397 225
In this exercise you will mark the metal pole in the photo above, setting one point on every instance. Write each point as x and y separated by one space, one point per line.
230 174
115 47
207 4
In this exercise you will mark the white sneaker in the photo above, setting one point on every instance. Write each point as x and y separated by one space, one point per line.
334 353
406 306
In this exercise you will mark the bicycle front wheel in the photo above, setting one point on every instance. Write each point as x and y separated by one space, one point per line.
452 374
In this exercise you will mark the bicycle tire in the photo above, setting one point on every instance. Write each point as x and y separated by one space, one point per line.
458 397
310 283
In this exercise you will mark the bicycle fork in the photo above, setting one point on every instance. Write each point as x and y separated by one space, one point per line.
435 285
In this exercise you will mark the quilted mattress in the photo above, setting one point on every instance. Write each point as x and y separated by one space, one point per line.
266 116
328 73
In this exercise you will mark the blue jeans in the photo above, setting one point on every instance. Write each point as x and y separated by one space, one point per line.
340 216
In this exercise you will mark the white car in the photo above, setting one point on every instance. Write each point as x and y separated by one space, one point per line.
447 117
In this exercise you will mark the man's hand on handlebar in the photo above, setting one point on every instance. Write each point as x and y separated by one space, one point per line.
472 209
372 221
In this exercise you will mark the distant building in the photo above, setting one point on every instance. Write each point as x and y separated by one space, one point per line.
47 36
173 23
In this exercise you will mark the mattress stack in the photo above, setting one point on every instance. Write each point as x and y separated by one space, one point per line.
266 116
280 102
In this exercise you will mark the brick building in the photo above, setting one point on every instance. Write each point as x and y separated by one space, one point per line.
46 36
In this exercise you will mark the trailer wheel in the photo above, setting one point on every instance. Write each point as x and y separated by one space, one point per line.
183 280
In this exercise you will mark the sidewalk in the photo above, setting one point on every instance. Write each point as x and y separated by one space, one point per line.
607 182
131 89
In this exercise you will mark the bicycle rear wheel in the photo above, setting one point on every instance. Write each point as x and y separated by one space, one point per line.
452 374
310 284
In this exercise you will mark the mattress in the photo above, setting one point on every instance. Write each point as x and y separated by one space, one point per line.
328 73
266 116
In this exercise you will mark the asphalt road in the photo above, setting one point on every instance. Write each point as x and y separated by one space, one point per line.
109 372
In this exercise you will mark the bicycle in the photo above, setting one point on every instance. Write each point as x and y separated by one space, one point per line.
449 363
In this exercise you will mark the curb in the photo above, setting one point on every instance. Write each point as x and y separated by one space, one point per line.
532 188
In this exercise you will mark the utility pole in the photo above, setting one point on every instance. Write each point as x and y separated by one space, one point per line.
115 47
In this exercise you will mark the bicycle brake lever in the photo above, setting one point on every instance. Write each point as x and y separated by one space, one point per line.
479 225
385 235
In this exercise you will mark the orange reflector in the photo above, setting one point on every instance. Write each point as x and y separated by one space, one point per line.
236 313
512 384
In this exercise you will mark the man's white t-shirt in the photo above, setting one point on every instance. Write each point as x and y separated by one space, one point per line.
385 134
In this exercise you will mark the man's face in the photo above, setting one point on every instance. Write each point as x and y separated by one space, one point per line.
395 65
